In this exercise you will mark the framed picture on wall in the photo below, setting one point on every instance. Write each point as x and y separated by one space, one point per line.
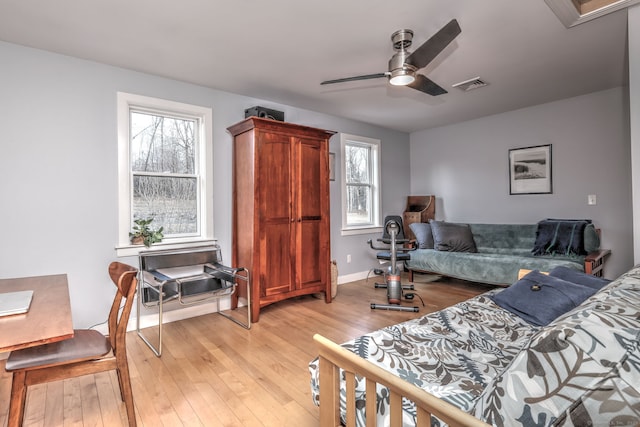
530 170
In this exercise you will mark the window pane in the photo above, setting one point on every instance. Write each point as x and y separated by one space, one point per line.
162 144
172 202
358 205
357 164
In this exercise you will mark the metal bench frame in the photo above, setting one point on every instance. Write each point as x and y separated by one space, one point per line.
213 282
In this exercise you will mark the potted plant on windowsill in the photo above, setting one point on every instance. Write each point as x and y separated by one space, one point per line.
143 234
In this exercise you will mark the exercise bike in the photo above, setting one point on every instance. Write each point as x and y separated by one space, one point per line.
392 277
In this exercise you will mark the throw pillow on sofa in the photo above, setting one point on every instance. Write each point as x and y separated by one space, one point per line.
423 234
578 277
451 237
539 298
591 238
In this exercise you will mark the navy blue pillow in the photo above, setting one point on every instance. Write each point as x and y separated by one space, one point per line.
423 234
578 277
539 298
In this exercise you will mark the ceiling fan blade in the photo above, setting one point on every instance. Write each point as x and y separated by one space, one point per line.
426 85
351 79
423 55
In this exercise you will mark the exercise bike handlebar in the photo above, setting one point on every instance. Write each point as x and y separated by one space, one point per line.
386 248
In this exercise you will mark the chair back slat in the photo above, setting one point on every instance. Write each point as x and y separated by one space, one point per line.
125 278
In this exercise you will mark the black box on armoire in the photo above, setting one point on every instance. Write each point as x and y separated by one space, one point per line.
265 113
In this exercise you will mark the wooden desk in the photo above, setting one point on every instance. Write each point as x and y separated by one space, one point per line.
48 319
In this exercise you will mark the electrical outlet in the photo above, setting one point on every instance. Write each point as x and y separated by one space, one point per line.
348 258
591 199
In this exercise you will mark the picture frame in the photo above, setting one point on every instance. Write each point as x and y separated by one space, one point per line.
530 170
332 166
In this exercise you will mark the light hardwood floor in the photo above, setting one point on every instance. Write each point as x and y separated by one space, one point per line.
215 373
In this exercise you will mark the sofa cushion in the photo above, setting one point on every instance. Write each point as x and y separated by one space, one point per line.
483 267
451 237
423 234
578 277
539 298
504 238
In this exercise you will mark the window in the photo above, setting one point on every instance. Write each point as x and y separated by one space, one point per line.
165 169
574 12
361 184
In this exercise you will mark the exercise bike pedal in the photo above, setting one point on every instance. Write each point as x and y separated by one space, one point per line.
393 307
404 287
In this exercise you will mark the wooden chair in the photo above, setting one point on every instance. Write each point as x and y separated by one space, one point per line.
88 352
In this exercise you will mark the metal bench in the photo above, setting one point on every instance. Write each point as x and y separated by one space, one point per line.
188 276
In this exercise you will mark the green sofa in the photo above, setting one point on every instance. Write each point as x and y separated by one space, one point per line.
501 250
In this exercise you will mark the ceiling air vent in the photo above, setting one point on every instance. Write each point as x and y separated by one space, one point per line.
470 84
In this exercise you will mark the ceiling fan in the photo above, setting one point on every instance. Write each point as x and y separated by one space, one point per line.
403 65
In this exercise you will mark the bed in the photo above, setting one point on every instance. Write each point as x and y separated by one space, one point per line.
574 362
451 355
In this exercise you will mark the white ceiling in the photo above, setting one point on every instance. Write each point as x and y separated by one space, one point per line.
280 50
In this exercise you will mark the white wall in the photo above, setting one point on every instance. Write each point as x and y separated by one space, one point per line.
466 167
634 111
58 168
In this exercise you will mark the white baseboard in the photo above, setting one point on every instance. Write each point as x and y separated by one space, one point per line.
354 276
172 312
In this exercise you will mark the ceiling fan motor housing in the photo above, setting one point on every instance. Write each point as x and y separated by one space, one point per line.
400 72
402 39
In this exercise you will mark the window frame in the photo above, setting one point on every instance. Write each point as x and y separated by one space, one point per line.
126 102
374 169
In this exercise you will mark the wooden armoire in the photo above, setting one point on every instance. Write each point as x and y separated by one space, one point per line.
281 210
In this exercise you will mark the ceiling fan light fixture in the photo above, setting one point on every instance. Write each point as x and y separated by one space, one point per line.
402 77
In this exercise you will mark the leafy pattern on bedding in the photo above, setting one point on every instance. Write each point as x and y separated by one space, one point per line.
581 370
453 354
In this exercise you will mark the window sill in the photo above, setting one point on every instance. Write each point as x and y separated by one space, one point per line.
353 231
134 250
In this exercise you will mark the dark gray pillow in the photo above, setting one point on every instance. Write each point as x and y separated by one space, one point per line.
451 237
539 298
423 234
591 238
579 277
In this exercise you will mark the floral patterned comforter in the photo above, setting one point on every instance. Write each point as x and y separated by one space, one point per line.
583 369
454 354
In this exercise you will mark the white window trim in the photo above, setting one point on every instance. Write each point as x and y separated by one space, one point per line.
125 101
376 194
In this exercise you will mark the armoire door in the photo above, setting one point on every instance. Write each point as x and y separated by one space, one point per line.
311 198
276 219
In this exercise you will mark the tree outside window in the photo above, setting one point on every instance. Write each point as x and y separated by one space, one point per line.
361 182
164 172
358 182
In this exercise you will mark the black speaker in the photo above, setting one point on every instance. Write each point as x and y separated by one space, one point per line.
265 113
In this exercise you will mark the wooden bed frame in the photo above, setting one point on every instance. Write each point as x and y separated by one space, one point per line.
333 357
